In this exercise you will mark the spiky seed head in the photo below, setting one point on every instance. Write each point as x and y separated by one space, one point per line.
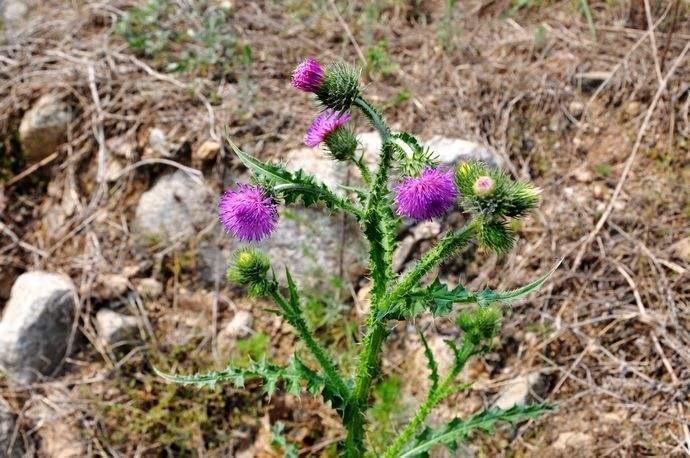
522 198
249 268
481 323
340 87
342 144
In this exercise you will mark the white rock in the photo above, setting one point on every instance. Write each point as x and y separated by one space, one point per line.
239 327
8 448
14 11
176 207
310 241
574 440
517 391
448 150
36 325
158 143
108 287
44 127
113 327
206 152
113 170
150 288
682 249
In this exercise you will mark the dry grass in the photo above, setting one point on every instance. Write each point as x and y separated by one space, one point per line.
610 331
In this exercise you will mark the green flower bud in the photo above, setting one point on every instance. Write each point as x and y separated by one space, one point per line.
495 235
482 323
522 198
249 268
340 87
342 144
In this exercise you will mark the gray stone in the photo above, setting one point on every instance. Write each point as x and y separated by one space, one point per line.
213 263
177 207
682 249
44 127
518 390
238 328
158 144
10 446
315 245
14 11
113 327
449 151
149 288
36 325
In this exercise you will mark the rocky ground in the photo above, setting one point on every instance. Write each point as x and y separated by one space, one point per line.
113 152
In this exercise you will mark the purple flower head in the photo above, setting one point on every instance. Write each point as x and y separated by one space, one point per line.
429 195
483 185
308 76
323 126
248 213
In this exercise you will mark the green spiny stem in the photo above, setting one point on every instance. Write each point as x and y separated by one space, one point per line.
451 243
374 117
296 321
363 169
435 397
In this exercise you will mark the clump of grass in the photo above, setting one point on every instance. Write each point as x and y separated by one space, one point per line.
194 38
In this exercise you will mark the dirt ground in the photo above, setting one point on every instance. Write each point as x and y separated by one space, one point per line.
590 100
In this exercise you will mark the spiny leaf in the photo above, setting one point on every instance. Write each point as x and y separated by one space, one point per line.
457 429
294 186
431 364
210 379
439 299
279 440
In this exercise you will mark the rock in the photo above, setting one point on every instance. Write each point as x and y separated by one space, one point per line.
36 325
213 263
238 328
517 391
113 170
633 108
206 152
149 288
10 445
574 440
177 207
450 151
61 438
121 147
157 145
113 327
14 12
576 108
108 287
315 246
682 249
583 175
43 128
590 81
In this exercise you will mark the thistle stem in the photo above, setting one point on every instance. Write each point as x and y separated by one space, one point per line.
374 117
295 319
435 397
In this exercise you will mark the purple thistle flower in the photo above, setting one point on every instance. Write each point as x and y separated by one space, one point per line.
323 126
427 196
248 213
308 75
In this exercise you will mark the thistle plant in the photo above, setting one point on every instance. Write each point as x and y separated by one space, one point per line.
407 183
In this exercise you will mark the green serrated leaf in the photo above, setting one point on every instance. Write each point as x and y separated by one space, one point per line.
457 429
294 186
209 379
440 300
431 364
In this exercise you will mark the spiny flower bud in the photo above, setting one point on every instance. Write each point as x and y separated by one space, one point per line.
491 194
496 236
249 268
328 128
483 323
308 76
340 87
